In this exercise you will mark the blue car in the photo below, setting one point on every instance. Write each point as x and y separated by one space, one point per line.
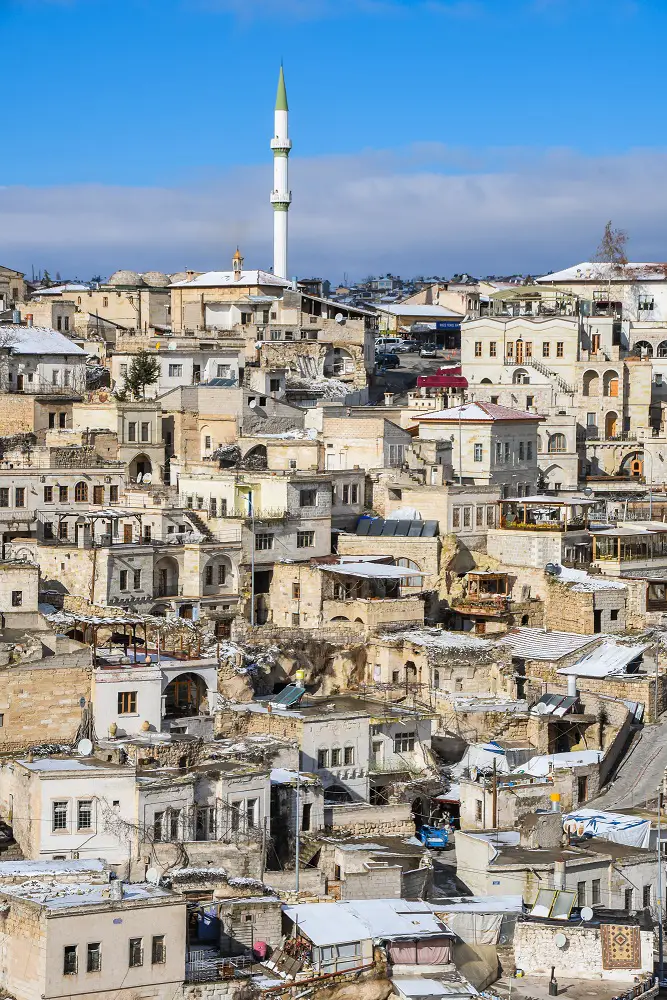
433 836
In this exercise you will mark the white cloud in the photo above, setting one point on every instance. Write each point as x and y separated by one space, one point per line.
424 208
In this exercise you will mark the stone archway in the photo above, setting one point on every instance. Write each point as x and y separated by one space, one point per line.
184 695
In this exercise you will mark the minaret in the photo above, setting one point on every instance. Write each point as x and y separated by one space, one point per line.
281 196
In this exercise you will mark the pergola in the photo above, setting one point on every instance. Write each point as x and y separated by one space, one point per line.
182 634
546 512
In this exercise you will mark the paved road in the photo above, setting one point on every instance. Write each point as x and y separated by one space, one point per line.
404 378
641 771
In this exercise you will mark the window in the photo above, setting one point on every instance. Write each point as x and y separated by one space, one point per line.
70 961
492 349
67 378
222 574
305 817
123 370
529 451
510 349
479 517
136 579
136 952
59 816
84 814
322 759
530 402
456 517
62 418
81 493
646 895
263 542
17 598
404 742
560 348
147 533
305 539
613 614
296 619
595 891
19 496
4 496
627 899
145 432
63 532
436 679
55 377
52 420
499 451
354 493
105 302
132 431
348 755
308 498
494 399
336 757
394 677
478 453
48 494
507 451
63 494
251 812
478 348
296 591
529 348
158 817
522 451
123 579
98 495
467 517
127 702
274 385
545 349
159 950
557 443
94 959
174 823
113 494
396 453
208 576
275 335
581 893
490 516
478 810
175 371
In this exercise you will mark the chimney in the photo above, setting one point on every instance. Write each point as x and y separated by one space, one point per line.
116 889
572 686
559 874
388 399
28 319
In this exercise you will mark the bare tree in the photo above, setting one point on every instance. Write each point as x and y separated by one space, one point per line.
612 256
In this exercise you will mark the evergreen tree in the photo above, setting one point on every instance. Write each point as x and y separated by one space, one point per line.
144 370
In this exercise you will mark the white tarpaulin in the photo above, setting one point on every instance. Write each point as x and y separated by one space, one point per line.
616 827
371 571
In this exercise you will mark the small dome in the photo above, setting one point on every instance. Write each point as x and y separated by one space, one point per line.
125 278
179 276
156 279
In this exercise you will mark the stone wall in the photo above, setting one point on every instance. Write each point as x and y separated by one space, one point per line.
17 414
380 883
535 952
41 702
577 608
361 819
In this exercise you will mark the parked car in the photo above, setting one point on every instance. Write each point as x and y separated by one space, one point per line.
428 351
387 359
410 346
433 836
388 343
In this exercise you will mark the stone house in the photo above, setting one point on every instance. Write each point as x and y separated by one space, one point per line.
136 427
35 413
40 360
493 444
182 363
410 550
19 595
12 287
284 818
103 940
363 440
361 595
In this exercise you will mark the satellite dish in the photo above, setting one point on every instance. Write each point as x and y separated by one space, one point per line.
84 748
541 708
587 913
252 404
339 318
560 941
148 477
553 569
588 492
153 876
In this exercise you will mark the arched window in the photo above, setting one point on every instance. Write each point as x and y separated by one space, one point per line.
557 442
662 349
81 492
644 349
409 581
486 381
611 424
610 384
591 383
521 377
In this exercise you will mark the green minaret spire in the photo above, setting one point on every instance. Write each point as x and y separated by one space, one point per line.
281 96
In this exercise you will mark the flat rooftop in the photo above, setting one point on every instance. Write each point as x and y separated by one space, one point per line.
60 896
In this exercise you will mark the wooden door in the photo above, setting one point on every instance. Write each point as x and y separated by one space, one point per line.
127 533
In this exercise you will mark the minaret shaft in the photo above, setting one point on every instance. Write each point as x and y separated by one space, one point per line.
281 196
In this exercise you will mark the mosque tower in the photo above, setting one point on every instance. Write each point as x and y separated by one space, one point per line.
281 196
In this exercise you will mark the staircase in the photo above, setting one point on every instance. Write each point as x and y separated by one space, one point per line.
539 367
200 525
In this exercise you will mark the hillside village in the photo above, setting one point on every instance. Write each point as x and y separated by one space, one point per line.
333 633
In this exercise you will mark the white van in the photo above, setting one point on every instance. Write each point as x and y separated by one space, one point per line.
388 343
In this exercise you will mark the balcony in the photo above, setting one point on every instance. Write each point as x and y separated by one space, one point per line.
573 524
489 606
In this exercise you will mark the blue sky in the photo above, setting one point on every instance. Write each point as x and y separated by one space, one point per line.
429 135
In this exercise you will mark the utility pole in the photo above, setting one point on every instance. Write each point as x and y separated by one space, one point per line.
297 825
494 798
661 957
251 512
262 860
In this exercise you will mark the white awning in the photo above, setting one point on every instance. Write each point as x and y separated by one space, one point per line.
372 571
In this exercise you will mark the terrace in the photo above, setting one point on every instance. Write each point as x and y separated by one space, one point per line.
544 513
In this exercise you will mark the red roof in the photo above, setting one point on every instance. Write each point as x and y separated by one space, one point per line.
442 381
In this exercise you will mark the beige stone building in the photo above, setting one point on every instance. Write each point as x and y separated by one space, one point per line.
12 287
129 432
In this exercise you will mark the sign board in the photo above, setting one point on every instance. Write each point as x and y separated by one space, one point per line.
447 324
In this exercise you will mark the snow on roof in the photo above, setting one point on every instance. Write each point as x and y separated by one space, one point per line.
601 271
372 571
283 776
45 867
61 764
59 289
38 340
585 583
542 644
360 919
611 657
441 639
543 764
55 897
227 279
422 988
405 309
481 904
476 412
616 827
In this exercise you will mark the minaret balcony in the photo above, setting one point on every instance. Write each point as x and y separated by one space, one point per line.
281 197
281 144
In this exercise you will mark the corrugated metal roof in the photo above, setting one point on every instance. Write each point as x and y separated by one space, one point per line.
540 644
609 658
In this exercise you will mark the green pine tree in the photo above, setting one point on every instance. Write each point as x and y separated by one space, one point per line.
144 370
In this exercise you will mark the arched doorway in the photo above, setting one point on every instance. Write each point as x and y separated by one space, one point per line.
410 581
410 674
140 467
610 384
591 383
184 695
165 583
643 349
337 362
662 349
256 458
633 464
611 424
521 377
